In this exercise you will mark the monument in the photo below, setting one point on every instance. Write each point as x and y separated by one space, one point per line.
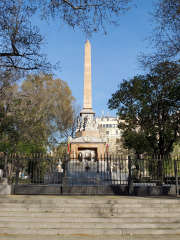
87 142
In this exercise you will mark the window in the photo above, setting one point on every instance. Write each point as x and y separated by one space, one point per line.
116 132
106 125
107 132
107 119
100 125
113 125
110 125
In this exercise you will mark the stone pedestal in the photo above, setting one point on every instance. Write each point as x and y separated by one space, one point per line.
87 133
5 189
87 143
3 181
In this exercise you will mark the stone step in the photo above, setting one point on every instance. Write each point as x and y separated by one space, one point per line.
88 220
86 225
95 205
93 200
151 231
89 215
69 231
90 210
89 231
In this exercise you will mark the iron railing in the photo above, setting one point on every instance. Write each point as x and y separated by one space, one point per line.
33 170
155 172
105 171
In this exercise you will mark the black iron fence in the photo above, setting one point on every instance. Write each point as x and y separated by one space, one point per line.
105 175
103 171
155 172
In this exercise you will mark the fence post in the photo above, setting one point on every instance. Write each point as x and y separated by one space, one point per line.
97 176
65 178
130 180
65 167
17 176
176 177
159 172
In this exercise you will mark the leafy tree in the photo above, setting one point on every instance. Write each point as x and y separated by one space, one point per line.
149 106
165 37
20 130
53 100
41 107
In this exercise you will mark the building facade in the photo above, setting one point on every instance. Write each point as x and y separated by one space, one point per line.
108 127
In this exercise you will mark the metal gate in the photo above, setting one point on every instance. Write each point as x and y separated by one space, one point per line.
96 177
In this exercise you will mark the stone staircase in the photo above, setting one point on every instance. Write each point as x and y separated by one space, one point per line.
89 215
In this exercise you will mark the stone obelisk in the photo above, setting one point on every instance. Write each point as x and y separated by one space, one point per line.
87 114
87 136
87 104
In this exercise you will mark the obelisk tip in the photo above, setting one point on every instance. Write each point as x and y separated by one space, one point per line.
87 41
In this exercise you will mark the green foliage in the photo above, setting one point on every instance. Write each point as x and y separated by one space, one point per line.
60 150
176 151
37 116
36 169
19 129
53 100
148 107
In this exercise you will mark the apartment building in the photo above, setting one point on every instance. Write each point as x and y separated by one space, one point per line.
108 126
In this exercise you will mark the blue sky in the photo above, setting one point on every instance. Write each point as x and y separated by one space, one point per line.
113 55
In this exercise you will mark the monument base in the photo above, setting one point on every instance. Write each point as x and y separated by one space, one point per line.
76 148
87 133
86 111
